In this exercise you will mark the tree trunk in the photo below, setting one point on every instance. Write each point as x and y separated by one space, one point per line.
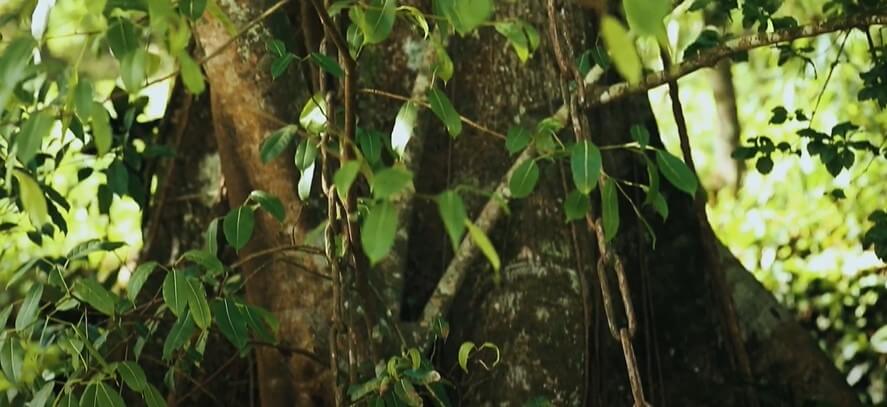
546 314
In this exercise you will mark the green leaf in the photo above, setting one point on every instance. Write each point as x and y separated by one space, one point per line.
14 64
313 117
27 312
197 303
452 212
138 278
879 340
327 64
94 294
279 66
122 37
483 243
193 9
418 18
378 230
238 226
31 136
405 391
133 375
464 352
585 162
212 237
99 394
622 50
305 181
11 358
640 134
206 260
404 125
269 203
276 143
152 397
42 396
66 400
645 17
83 99
179 334
345 176
610 209
83 250
443 64
522 37
262 322
134 70
231 321
192 76
376 21
4 315
517 139
32 198
370 145
676 172
576 205
466 15
175 292
444 110
101 128
306 153
390 182
661 206
524 179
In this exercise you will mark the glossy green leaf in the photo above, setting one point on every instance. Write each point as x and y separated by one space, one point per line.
376 21
197 303
391 181
134 70
483 243
370 143
406 393
306 154
261 322
378 230
133 375
280 65
122 36
94 294
345 176
175 291
270 204
314 117
231 320
42 396
179 334
452 212
276 143
585 163
327 64
523 180
32 134
83 99
610 208
576 206
193 9
101 128
138 278
238 226
517 139
464 352
192 76
676 172
444 110
99 394
622 50
32 198
27 312
206 260
404 125
305 182
443 65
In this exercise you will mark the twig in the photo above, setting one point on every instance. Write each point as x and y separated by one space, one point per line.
274 250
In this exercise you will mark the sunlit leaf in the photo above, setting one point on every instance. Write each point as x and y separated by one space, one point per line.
32 198
622 50
192 76
404 125
464 352
483 243
32 134
99 394
314 117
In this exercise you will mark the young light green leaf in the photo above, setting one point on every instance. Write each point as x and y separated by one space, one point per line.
327 64
99 394
192 76
585 163
524 179
179 334
376 21
576 205
32 198
676 172
645 18
444 110
175 291
198 303
622 50
231 321
344 177
91 292
465 15
610 208
522 37
452 212
269 203
138 278
390 182
238 226
404 125
378 230
464 352
305 182
133 375
276 143
314 117
27 312
101 128
32 134
483 243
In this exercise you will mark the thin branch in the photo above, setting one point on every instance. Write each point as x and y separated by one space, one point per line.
278 249
731 47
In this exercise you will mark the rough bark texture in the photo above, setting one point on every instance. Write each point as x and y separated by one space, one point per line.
246 106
